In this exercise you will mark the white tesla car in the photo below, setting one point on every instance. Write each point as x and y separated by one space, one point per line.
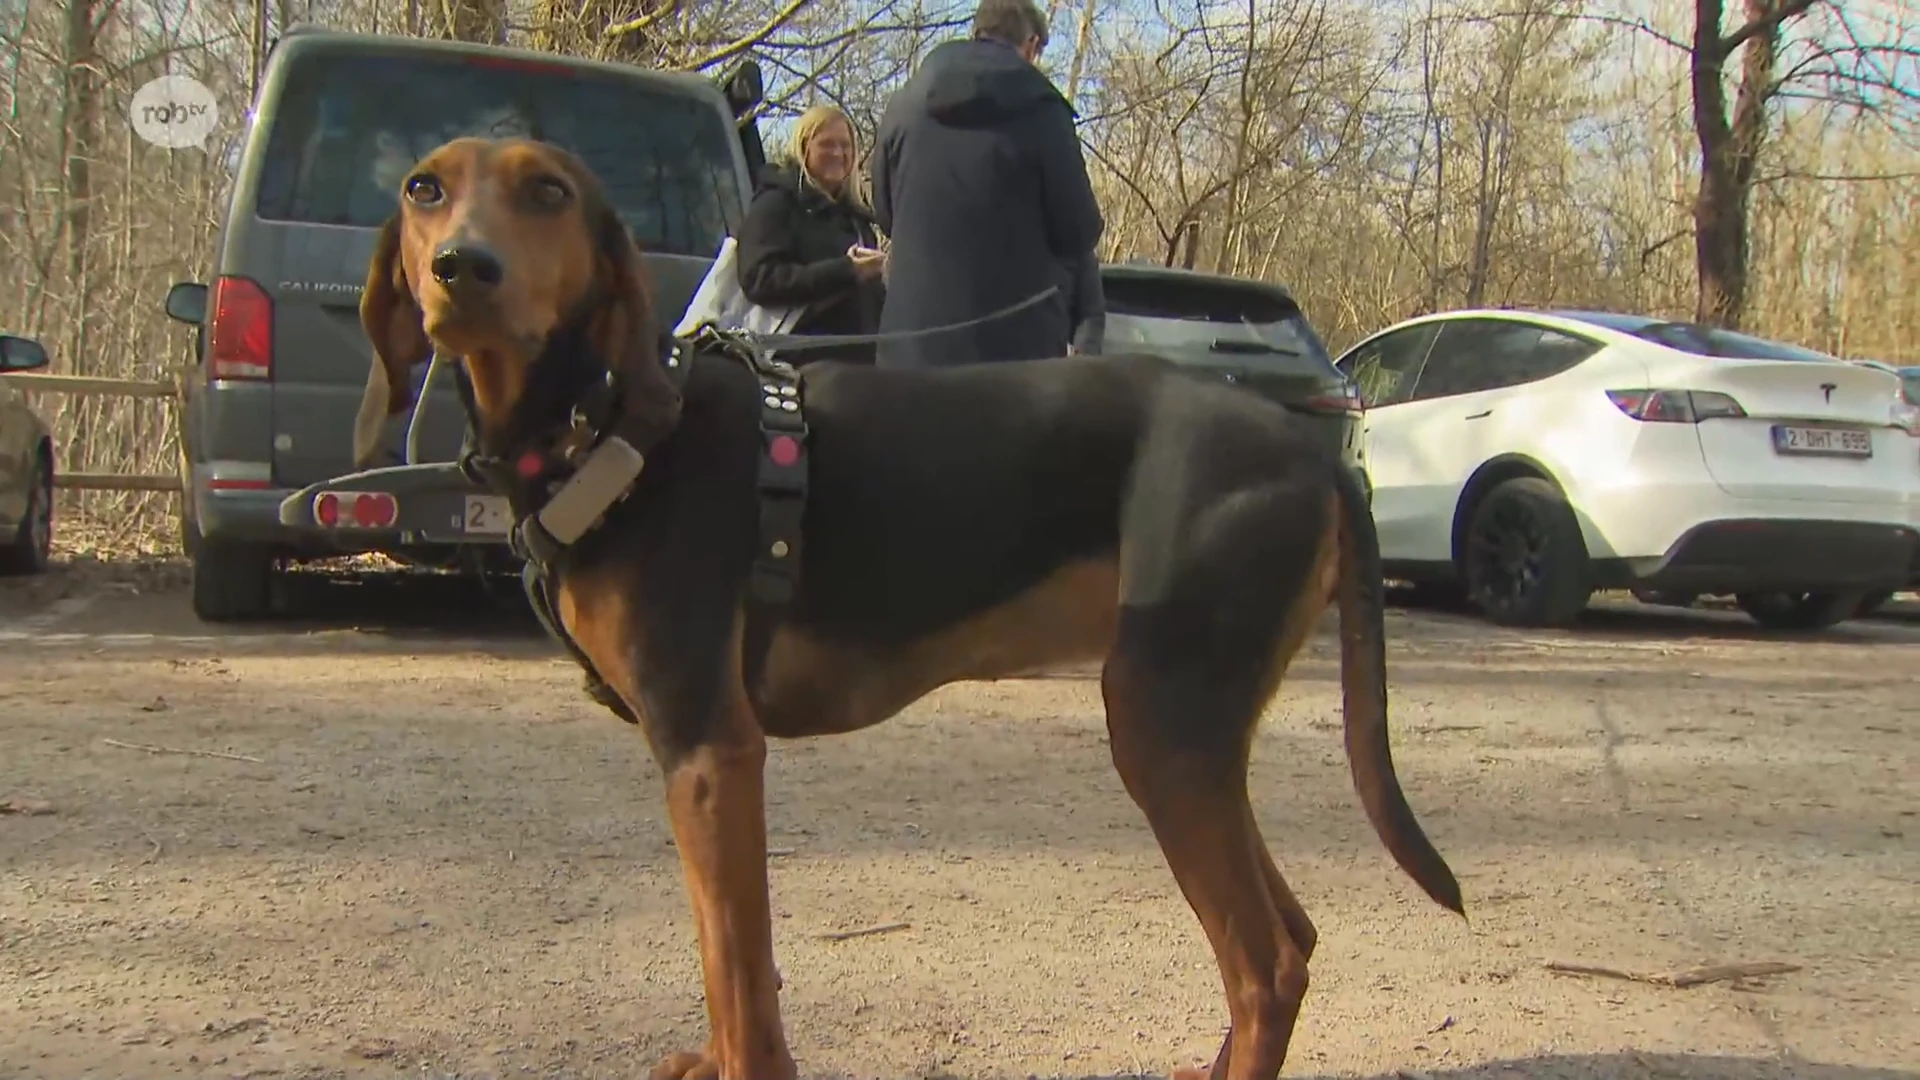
1526 458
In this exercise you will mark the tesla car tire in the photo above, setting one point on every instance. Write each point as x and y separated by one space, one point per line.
1524 561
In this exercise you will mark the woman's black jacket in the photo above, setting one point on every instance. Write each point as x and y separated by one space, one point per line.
793 250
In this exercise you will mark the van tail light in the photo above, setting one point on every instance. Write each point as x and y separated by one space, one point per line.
1345 400
514 63
1675 406
355 510
240 342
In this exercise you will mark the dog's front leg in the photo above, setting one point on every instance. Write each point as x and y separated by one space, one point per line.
685 688
715 798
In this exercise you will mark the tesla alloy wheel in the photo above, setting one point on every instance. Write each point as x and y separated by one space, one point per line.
1524 561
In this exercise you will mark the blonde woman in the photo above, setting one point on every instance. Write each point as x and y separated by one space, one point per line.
809 238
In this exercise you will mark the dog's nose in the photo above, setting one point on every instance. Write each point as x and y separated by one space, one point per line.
467 264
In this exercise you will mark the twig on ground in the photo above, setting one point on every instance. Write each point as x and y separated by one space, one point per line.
1680 979
1714 973
235 1028
865 931
176 750
1560 968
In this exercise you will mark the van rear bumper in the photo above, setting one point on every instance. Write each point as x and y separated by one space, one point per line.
282 519
431 504
431 501
243 515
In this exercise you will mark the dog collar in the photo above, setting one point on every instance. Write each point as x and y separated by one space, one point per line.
600 464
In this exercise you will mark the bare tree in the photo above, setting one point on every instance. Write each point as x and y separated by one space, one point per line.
1848 72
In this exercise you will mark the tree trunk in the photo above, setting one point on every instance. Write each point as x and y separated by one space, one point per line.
482 21
1247 113
1730 149
1496 154
1082 41
82 93
1433 121
1185 234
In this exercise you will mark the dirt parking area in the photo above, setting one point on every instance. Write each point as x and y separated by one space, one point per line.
406 844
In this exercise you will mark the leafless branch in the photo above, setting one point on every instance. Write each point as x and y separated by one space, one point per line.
642 23
748 41
1786 12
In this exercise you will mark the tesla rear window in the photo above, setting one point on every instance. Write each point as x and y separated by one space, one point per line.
1729 344
347 128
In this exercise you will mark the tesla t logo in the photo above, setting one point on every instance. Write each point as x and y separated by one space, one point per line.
1828 388
1231 377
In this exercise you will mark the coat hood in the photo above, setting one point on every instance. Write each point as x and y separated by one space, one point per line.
975 83
777 176
785 177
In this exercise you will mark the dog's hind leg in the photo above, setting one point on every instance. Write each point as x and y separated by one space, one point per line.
1194 796
1191 669
1300 928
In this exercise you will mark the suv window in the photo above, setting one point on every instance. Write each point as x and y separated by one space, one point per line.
347 127
1168 314
1386 368
1488 354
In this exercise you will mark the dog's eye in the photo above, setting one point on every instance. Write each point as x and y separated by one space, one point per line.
547 191
424 190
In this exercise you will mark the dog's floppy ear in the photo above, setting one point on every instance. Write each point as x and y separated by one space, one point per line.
621 328
391 318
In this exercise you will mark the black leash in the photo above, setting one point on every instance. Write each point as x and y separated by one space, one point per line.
788 343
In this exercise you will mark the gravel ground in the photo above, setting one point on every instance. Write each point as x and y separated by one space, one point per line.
404 843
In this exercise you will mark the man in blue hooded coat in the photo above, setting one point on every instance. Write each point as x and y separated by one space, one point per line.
980 185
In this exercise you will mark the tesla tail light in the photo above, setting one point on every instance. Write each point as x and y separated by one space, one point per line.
1675 406
1346 399
355 510
1906 417
240 345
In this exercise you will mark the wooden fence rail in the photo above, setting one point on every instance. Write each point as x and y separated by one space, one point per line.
95 386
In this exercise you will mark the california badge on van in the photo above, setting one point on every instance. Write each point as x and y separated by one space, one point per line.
281 357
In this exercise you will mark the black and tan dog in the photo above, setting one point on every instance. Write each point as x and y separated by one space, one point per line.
961 524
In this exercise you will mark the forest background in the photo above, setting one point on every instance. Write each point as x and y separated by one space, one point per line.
1753 163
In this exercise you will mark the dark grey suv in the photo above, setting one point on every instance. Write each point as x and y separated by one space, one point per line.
1249 333
282 358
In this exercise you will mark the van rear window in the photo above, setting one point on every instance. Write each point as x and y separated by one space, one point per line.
347 128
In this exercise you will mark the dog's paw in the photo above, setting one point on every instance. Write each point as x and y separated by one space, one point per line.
687 1065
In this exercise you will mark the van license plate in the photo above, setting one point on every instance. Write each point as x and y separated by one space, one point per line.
488 514
1841 442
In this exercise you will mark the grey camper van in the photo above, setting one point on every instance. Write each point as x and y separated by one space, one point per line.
281 357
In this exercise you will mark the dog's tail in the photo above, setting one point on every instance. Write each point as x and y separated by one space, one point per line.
1363 685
